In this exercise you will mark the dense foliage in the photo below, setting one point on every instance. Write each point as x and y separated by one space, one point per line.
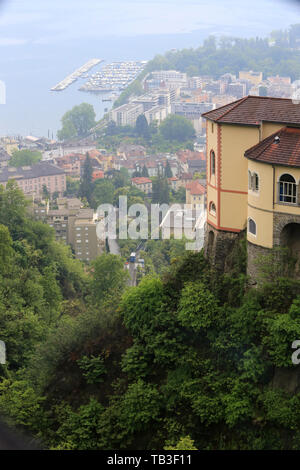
77 122
172 134
25 157
192 359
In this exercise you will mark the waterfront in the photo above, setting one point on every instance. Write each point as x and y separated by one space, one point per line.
31 68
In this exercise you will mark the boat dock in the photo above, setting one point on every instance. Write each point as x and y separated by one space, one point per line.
114 77
76 74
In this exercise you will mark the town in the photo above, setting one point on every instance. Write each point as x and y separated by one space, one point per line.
150 250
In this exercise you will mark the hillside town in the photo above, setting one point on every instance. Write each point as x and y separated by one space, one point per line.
150 247
166 93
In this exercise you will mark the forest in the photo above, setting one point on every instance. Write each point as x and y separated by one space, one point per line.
189 359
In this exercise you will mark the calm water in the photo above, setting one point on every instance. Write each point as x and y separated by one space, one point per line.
31 69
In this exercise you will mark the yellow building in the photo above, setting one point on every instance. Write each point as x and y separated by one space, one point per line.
195 194
253 77
259 192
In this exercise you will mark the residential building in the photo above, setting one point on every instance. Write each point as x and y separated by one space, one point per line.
157 113
73 225
258 193
195 194
32 179
175 183
143 184
127 114
254 77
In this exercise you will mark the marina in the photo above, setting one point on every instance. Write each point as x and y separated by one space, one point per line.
81 72
114 77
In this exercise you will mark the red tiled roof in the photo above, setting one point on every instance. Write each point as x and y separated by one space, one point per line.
186 176
196 188
285 152
141 180
252 110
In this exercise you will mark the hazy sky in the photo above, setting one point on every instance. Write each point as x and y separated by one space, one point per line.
54 21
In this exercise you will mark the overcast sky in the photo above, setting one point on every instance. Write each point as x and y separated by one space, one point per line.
54 21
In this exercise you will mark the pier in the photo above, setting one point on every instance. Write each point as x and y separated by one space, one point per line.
76 74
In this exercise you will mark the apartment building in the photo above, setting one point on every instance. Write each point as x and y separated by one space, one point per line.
157 113
32 179
86 244
192 112
73 225
127 114
172 77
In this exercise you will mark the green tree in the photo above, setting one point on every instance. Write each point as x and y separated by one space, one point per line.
177 128
45 192
160 191
168 171
86 184
77 122
145 172
103 193
108 277
185 443
72 187
25 157
142 127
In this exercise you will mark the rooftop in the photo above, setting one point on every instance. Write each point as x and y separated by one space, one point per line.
141 180
195 188
27 172
252 110
280 148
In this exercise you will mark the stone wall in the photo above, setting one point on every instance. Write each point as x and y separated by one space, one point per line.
280 220
218 244
255 253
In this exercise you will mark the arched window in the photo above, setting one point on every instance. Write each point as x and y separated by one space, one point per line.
251 226
212 208
287 189
212 163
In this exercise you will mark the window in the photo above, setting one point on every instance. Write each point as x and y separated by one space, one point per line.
251 226
212 163
212 208
253 181
287 189
212 127
249 180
